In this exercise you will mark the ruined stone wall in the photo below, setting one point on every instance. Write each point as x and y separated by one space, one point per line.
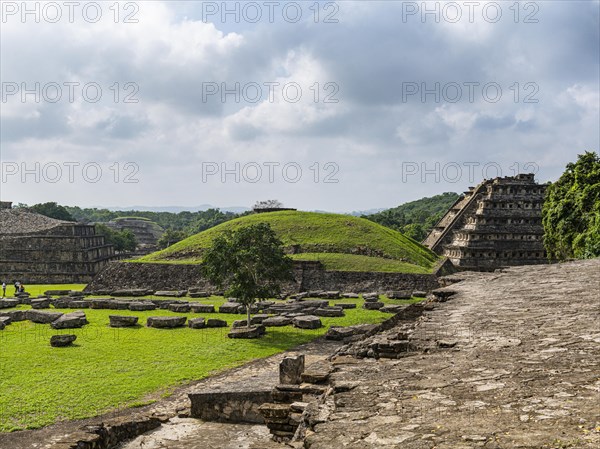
308 276
147 233
35 249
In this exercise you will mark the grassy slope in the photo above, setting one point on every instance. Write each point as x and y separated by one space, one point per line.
314 233
109 368
355 262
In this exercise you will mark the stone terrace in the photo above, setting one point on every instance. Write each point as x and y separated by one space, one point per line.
512 361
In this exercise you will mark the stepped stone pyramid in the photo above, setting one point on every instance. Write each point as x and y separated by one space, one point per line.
41 250
147 233
495 224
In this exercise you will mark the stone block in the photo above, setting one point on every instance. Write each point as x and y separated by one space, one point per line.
171 293
373 305
43 317
371 297
57 292
40 303
236 406
400 294
59 341
307 322
349 295
346 305
202 308
8 303
123 320
215 322
199 295
392 308
286 396
141 306
277 321
291 369
120 305
73 320
329 312
230 307
197 323
15 315
166 322
81 304
271 411
245 332
179 308
298 407
101 304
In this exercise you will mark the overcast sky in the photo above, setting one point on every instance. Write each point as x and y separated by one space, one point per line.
338 106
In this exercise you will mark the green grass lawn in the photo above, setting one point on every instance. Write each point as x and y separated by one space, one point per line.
109 368
35 290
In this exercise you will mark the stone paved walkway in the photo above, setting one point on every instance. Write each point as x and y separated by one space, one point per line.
519 368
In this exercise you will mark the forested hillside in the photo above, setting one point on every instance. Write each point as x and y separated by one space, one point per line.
416 218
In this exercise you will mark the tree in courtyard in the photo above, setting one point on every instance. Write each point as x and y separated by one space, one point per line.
249 262
571 211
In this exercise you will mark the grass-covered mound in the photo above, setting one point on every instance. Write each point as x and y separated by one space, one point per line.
341 242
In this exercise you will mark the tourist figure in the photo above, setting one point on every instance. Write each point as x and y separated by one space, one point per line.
17 285
3 289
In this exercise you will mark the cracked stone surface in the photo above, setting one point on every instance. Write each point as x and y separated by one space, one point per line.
193 433
522 370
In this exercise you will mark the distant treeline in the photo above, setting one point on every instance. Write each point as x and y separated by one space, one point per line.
189 222
414 219
417 218
177 225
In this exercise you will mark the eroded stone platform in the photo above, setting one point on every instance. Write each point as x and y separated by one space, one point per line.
512 361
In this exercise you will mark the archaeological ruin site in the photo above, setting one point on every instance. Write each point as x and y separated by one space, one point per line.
473 339
35 249
288 224
495 224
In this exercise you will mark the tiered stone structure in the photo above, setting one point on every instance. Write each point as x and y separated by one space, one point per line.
42 250
495 224
147 233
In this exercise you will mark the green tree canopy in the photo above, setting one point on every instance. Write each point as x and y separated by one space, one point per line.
122 240
416 218
571 212
250 262
52 210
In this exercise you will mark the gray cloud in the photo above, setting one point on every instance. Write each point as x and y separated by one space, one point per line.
370 133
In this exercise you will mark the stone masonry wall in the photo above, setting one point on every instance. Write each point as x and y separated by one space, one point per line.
308 276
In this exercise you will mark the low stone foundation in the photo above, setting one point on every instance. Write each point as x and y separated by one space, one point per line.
230 406
308 276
